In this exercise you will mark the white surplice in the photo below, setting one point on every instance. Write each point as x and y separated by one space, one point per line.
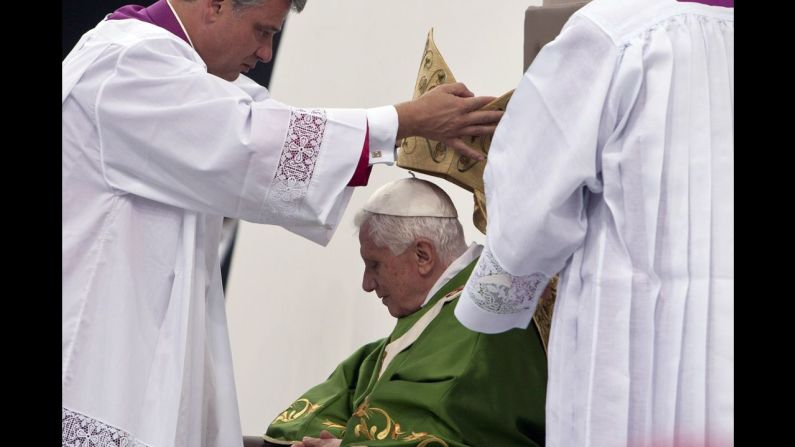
155 152
614 164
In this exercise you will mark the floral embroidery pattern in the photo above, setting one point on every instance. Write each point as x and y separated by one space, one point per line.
298 409
79 430
497 291
297 162
391 429
337 430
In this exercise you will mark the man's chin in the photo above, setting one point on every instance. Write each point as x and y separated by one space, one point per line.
231 77
398 313
227 76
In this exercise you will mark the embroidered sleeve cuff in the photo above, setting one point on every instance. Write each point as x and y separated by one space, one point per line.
495 301
383 122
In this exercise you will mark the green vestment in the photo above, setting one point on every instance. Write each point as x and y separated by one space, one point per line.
450 387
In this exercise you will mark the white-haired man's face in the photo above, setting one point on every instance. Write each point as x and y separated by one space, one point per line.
397 280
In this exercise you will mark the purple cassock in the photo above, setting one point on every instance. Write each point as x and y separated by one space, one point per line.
158 14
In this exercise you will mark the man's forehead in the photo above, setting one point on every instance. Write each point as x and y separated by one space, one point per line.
268 15
366 243
368 248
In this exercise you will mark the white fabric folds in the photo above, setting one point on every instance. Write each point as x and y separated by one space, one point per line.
614 165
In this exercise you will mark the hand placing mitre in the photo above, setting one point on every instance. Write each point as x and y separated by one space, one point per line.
447 113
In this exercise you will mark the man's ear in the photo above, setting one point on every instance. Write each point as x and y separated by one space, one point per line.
426 256
213 9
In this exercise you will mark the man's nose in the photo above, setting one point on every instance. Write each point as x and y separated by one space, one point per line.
368 283
264 53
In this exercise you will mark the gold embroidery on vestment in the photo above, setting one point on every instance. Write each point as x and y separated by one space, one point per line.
391 429
299 408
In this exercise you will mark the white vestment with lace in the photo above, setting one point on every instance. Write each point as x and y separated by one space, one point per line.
614 164
156 152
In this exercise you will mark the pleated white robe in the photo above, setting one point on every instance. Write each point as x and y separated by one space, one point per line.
614 164
155 152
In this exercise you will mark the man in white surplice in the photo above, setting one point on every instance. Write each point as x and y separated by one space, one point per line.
161 139
614 165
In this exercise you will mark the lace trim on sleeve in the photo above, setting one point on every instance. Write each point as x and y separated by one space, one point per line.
79 430
297 163
493 289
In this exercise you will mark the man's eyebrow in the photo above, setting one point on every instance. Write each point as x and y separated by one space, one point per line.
271 28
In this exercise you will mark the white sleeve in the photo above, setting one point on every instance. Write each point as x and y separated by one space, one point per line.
173 133
383 122
542 161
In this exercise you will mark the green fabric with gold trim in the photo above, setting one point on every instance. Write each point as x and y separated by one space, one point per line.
451 387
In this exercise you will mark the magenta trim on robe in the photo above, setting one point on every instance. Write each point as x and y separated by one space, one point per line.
158 14
362 173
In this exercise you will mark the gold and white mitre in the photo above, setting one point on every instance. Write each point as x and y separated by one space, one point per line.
433 157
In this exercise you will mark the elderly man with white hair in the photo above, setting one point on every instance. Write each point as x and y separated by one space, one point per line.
431 382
